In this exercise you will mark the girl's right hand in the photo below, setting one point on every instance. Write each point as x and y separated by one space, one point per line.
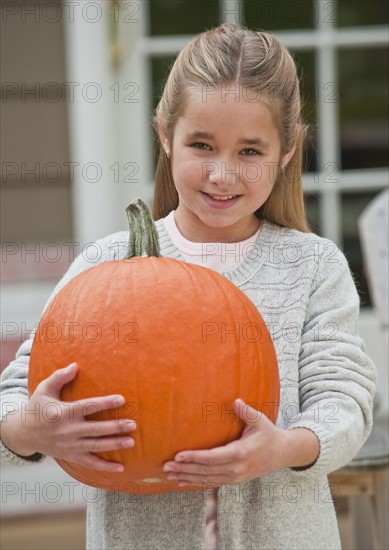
52 427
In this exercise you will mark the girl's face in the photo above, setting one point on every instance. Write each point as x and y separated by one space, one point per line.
225 155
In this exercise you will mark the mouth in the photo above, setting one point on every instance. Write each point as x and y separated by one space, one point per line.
221 197
220 201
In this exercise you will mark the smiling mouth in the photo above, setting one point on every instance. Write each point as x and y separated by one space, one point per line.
222 197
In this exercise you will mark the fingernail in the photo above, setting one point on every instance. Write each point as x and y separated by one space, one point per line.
69 368
180 458
127 428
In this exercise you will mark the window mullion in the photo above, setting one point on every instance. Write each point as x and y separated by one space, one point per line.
328 127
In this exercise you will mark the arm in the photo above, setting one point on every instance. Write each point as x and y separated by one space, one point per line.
336 378
14 395
20 430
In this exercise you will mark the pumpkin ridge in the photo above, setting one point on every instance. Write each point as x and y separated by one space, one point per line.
199 302
139 440
168 439
168 444
174 387
248 312
239 351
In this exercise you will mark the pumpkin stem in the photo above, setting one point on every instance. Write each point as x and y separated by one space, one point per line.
143 239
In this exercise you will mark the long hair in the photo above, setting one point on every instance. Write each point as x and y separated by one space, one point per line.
258 62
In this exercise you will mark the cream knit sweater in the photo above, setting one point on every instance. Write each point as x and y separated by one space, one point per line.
303 288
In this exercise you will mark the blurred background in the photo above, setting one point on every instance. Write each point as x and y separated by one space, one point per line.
79 83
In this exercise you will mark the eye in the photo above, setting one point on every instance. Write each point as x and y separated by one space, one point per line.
200 145
251 152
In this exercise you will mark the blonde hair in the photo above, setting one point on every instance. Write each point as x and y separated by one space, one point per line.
258 62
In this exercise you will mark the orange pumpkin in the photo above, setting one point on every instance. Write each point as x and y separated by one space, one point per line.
179 341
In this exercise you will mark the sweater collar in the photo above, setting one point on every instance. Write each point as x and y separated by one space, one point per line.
265 242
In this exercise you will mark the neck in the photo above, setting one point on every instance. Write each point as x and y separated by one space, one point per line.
197 232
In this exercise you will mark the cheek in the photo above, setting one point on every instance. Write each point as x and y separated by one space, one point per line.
260 177
252 172
269 172
188 173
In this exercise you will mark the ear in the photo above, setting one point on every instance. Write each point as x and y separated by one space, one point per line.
289 155
164 140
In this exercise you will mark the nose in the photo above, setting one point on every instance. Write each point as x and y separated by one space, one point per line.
223 174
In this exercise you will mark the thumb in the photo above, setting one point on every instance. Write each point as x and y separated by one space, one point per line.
248 414
53 384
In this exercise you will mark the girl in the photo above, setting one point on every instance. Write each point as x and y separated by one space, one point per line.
229 196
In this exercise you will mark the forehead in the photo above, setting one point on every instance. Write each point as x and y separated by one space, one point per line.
224 110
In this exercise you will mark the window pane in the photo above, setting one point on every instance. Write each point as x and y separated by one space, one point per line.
278 14
363 107
352 206
182 16
362 12
160 69
305 62
312 211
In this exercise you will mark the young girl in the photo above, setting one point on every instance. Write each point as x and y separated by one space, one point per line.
229 197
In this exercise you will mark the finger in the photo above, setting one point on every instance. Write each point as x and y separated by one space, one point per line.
209 482
219 455
102 444
53 384
193 469
95 463
103 428
211 478
248 414
96 405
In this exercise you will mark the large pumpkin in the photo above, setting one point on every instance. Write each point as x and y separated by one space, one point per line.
179 341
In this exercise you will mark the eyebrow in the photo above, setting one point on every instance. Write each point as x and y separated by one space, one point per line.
198 134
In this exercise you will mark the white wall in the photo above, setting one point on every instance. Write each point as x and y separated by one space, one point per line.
108 135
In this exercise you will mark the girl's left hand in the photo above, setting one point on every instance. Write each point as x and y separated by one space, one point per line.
260 450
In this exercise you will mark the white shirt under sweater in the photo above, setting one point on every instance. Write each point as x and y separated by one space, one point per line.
219 257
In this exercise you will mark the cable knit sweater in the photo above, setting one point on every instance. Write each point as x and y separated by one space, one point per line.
302 285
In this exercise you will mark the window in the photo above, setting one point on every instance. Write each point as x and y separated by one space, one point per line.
172 17
340 50
363 107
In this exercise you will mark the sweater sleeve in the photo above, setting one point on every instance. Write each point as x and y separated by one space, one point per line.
336 378
14 379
